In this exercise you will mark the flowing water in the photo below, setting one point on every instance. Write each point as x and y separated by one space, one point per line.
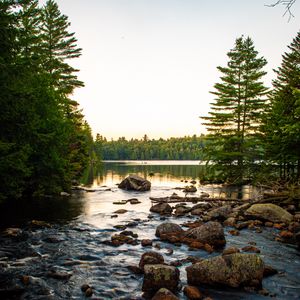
75 243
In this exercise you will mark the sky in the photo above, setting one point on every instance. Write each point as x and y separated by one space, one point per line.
149 65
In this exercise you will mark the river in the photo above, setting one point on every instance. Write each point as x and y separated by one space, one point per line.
80 225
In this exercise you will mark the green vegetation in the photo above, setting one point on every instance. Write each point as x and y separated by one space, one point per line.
186 148
251 135
44 141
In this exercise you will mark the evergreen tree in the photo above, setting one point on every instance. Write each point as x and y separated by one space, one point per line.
59 45
236 113
283 123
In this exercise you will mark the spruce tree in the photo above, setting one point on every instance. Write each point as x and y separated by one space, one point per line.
235 117
282 125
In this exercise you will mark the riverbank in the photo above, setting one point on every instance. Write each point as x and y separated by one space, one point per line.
55 258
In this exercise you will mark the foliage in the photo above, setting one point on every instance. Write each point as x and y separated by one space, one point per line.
44 141
282 125
236 114
188 148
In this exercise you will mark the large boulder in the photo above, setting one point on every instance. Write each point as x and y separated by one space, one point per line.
234 270
164 294
211 233
160 276
136 183
167 228
162 208
269 212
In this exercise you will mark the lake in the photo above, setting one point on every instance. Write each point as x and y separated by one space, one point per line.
81 225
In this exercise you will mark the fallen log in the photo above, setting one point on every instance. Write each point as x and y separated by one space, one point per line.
191 199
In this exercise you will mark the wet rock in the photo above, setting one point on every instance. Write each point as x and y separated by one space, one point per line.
164 294
269 271
234 232
203 205
193 182
65 194
269 224
190 189
89 292
59 275
230 250
120 227
150 258
197 212
269 212
211 233
135 270
121 239
134 182
192 292
182 210
250 249
134 201
230 221
160 276
53 239
120 211
233 270
204 195
167 228
122 202
220 213
84 287
242 225
39 224
161 208
146 243
129 233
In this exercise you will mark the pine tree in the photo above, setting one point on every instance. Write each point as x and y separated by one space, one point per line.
236 113
58 45
283 123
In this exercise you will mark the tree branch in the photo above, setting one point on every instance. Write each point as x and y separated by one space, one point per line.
288 5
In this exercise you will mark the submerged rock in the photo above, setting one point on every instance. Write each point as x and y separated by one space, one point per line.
269 212
211 233
160 276
233 270
136 183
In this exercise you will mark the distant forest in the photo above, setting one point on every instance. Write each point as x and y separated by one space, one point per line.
184 148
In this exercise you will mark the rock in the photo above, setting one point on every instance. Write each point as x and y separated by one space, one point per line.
233 270
135 270
230 221
197 212
167 228
211 233
220 213
192 292
136 183
59 275
65 194
230 250
146 243
182 210
160 276
150 258
88 292
164 294
134 201
269 212
203 205
161 208
250 249
84 287
204 195
120 211
190 189
193 182
12 232
234 232
269 271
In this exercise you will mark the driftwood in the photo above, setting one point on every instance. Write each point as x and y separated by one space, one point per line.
190 199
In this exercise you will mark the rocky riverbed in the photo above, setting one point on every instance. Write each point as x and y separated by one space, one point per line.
203 248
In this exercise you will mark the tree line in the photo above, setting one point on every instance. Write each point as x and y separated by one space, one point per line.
44 141
253 130
185 148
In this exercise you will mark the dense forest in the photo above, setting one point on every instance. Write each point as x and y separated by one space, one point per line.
188 148
44 141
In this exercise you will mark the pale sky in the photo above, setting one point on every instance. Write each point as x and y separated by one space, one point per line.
148 65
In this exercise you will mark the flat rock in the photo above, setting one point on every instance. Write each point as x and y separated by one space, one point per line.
269 212
150 258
